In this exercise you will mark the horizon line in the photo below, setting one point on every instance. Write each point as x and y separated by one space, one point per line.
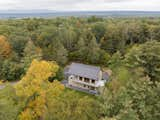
47 10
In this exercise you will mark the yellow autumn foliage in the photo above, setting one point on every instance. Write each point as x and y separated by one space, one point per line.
1 82
37 74
26 115
34 87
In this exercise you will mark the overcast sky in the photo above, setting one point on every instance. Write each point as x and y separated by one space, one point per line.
61 5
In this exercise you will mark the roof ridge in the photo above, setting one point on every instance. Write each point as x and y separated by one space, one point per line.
86 65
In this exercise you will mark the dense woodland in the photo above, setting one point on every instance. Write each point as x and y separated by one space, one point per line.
35 52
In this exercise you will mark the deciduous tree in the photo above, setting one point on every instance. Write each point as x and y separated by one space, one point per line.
5 48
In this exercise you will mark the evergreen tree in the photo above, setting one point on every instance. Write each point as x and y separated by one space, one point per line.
31 52
116 60
57 52
81 46
61 54
92 51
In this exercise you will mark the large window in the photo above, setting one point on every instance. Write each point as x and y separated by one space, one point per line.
86 80
71 77
93 81
80 78
93 88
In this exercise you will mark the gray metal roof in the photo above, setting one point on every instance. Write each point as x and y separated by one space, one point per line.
83 70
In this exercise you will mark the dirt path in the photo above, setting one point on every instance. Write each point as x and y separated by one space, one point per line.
11 83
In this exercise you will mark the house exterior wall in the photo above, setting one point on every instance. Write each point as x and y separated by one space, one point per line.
100 75
85 83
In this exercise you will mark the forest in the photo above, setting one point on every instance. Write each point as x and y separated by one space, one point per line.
35 51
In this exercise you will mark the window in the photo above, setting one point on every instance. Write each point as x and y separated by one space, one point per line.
93 81
86 80
93 88
80 78
71 77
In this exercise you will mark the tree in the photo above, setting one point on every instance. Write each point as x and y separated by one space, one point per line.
10 70
116 60
79 54
130 97
147 56
34 87
92 51
114 38
5 48
99 30
104 58
57 52
72 108
31 52
32 24
93 19
8 103
67 36
61 54
18 42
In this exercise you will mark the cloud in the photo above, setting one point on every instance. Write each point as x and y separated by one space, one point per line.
81 4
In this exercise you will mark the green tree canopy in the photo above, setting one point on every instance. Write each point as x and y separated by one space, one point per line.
147 56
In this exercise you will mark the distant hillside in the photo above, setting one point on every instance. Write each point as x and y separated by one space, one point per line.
24 11
48 13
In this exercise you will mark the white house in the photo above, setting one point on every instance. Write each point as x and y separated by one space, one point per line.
86 77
